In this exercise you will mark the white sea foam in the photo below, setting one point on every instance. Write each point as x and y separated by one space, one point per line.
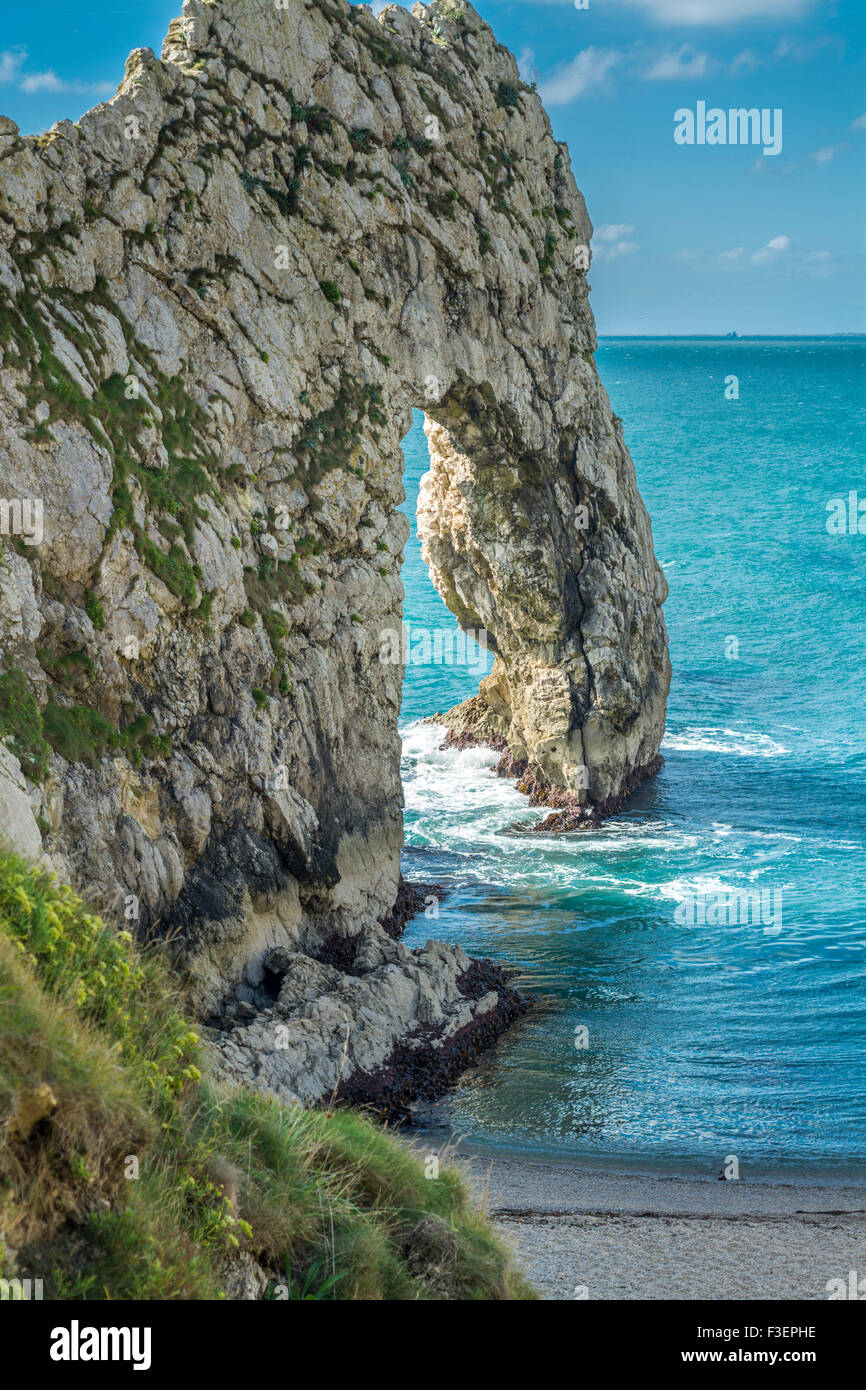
455 803
701 885
739 742
452 796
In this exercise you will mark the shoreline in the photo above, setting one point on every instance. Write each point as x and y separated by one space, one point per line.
579 1186
614 1166
608 1234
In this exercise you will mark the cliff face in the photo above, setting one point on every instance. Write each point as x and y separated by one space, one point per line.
222 294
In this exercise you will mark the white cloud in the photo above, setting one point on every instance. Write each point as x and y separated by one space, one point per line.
687 62
717 13
804 50
746 61
686 254
615 250
612 241
591 69
42 82
585 73
819 265
772 166
526 65
826 153
775 250
771 252
10 65
612 231
860 123
678 63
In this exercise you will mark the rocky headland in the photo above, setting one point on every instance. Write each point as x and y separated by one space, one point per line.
221 295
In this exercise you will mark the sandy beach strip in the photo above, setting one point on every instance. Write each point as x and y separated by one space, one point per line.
586 1233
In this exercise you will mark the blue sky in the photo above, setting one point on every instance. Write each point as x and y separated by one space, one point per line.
688 239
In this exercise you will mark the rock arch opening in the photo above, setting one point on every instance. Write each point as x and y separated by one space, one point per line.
443 662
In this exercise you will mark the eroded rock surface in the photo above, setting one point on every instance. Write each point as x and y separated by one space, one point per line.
222 294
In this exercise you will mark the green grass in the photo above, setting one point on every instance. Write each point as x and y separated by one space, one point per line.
174 569
21 723
330 439
116 415
330 1205
546 260
94 609
507 95
75 731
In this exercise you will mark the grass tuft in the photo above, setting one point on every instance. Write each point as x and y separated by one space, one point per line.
136 1178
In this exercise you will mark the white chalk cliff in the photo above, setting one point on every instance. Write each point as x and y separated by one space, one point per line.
221 295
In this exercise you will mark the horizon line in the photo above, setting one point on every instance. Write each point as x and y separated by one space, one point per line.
728 338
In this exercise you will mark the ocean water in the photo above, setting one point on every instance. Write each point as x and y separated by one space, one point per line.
653 1042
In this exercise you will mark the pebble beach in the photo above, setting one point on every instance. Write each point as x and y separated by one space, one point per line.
591 1234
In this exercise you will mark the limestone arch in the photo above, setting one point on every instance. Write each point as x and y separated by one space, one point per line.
261 231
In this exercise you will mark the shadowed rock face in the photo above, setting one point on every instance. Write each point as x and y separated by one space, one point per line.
223 292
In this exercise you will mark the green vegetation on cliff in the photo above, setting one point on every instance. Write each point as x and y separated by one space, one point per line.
126 1175
77 732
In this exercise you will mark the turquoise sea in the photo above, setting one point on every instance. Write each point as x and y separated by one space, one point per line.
704 1041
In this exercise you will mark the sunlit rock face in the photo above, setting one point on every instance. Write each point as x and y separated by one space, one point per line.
223 292
557 564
